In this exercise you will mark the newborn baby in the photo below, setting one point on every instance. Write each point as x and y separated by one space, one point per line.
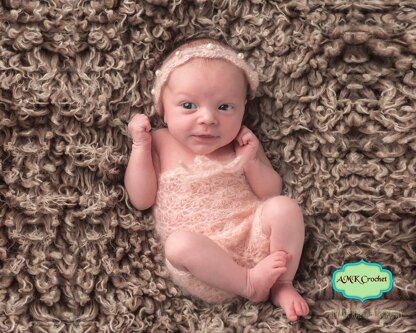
216 200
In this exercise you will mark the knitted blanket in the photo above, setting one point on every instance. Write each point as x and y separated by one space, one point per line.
335 112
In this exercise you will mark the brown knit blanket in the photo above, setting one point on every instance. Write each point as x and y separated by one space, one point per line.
336 113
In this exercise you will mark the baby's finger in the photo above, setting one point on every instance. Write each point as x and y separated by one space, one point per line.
281 269
247 138
280 263
143 123
241 133
283 254
147 126
239 140
287 256
137 116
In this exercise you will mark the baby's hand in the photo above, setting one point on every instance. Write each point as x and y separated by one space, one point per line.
139 128
246 144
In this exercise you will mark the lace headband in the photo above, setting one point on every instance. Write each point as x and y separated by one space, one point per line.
208 50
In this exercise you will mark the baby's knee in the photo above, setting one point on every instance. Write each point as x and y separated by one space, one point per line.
177 246
282 206
282 203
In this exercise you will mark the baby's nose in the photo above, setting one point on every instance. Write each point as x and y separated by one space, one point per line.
207 116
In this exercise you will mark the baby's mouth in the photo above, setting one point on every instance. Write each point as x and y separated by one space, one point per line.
204 137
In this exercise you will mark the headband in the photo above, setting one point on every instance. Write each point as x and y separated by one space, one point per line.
209 51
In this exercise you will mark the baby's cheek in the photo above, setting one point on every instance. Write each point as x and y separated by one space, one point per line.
234 132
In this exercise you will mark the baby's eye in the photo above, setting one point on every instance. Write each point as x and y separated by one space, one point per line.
225 107
189 106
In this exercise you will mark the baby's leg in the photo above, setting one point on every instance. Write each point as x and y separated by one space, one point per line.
282 221
208 262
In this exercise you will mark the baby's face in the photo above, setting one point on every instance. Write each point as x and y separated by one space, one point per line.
203 104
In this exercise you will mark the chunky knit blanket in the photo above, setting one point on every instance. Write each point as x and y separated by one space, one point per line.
335 113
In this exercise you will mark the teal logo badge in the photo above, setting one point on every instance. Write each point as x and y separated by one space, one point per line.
362 280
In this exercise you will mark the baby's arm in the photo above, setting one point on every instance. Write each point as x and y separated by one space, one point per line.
263 179
140 177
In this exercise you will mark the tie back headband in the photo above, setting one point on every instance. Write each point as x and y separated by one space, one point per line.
209 51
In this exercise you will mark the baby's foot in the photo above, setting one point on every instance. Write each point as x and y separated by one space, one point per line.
288 298
261 277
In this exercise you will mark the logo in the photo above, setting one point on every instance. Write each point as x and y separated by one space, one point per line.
362 280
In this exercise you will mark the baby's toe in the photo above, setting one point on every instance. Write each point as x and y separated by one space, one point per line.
292 317
305 308
298 308
291 314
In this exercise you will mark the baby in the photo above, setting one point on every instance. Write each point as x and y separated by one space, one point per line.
216 199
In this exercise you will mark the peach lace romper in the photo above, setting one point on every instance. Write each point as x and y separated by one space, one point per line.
213 199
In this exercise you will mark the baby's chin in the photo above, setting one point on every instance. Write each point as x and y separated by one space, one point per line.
208 148
203 150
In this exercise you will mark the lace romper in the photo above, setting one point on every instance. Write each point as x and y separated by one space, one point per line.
213 199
